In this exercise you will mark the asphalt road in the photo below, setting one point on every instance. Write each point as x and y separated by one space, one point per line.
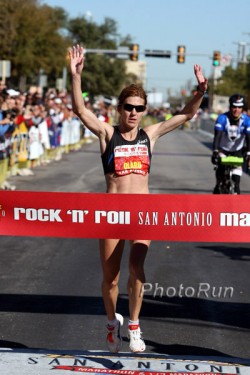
50 287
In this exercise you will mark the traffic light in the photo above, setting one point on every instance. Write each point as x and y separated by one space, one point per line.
181 50
216 58
135 49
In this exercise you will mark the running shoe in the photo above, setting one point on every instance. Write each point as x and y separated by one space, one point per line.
136 342
114 339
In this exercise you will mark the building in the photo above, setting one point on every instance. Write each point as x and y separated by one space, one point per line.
139 69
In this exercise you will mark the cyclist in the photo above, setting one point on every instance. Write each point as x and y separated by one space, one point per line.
231 138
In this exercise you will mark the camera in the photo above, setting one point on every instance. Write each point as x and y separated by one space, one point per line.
10 113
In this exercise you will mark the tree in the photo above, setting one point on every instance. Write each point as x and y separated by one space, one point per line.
233 81
103 74
30 37
36 38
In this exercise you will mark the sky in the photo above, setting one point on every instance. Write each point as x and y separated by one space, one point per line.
203 26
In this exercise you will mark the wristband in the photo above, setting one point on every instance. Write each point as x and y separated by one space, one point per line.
198 89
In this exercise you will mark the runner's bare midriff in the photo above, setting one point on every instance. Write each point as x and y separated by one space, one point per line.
129 184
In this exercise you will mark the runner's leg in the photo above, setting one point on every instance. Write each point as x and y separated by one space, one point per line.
136 279
111 254
135 291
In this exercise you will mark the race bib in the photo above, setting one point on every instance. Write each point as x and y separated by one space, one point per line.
131 159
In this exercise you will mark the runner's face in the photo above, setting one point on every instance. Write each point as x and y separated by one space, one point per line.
131 118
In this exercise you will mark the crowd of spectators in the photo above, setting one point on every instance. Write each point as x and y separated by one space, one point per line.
33 127
33 123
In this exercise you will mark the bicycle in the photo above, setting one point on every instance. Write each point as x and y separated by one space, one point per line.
226 185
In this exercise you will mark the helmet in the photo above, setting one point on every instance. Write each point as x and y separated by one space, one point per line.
237 100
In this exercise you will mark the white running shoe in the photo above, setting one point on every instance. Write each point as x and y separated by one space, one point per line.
114 339
136 342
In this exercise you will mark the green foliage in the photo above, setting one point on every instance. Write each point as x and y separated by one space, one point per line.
234 80
30 38
102 73
35 37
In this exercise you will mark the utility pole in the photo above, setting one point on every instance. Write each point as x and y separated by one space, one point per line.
241 52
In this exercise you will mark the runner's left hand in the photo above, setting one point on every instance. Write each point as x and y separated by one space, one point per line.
202 82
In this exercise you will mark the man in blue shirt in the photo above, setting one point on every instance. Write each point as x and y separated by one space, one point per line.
231 136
